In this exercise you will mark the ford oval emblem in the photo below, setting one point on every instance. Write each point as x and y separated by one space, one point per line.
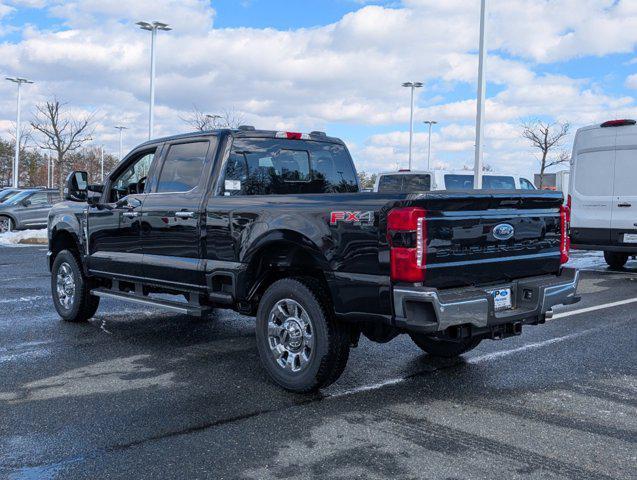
503 231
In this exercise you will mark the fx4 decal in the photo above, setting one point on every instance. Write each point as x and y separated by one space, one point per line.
355 218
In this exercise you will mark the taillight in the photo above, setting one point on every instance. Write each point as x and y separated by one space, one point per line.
292 135
565 224
407 235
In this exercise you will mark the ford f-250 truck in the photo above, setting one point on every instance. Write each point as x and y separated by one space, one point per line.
272 225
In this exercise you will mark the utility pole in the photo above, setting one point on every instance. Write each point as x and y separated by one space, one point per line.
412 86
430 123
16 159
482 87
152 28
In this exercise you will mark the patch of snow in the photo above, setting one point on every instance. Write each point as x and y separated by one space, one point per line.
14 238
586 259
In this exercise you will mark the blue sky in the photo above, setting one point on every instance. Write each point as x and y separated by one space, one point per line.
333 65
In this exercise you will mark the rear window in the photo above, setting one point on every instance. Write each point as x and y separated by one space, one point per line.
458 182
496 182
267 166
404 183
489 182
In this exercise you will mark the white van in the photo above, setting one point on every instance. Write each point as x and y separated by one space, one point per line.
603 190
425 180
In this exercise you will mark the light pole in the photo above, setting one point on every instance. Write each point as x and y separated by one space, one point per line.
213 119
482 87
19 81
120 128
102 164
152 28
412 86
430 123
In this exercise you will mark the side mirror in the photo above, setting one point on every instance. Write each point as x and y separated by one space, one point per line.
76 188
26 202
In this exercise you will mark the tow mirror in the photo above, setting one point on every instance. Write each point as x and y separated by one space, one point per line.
76 188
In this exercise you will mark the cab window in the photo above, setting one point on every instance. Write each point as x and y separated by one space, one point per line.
132 179
526 185
183 167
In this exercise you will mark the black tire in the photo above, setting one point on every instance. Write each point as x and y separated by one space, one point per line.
83 305
6 224
444 348
615 260
330 344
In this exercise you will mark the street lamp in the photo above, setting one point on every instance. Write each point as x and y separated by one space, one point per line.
213 119
152 28
430 123
482 87
412 86
120 128
19 81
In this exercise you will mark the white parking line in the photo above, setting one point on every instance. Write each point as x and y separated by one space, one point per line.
594 308
506 353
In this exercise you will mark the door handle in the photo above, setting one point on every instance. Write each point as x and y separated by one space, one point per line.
131 214
625 204
184 214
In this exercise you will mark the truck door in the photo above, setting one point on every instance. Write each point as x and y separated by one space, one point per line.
624 220
114 224
172 214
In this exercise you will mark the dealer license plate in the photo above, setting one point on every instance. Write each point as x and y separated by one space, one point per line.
501 298
630 237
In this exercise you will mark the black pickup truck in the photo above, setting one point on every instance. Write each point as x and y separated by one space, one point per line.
272 224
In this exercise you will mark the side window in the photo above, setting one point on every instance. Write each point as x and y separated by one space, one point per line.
53 198
497 182
280 166
526 185
39 199
183 167
460 182
133 179
390 183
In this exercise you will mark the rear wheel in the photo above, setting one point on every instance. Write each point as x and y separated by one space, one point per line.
70 290
615 260
6 224
301 345
444 348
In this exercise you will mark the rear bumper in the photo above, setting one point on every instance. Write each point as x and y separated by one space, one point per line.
629 249
428 310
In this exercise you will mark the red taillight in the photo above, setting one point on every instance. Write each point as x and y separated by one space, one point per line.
565 223
292 135
407 234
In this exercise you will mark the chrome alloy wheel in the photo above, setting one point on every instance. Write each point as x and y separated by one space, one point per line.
5 224
65 285
290 335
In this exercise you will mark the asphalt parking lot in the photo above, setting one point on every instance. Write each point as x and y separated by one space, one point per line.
140 393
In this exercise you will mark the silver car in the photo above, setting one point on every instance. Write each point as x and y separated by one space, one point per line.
27 209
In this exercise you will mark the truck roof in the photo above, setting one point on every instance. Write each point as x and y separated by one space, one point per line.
242 132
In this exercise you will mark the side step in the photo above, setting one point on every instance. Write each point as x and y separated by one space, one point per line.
180 307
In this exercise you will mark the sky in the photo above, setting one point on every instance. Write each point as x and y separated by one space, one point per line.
331 65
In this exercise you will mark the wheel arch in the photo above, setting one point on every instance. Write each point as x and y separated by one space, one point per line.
12 217
63 239
279 254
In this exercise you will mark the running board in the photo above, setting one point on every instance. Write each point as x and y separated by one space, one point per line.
180 307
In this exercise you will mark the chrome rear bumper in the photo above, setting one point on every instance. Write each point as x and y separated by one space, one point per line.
425 310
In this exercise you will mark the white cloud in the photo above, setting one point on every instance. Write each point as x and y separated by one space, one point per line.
631 81
348 72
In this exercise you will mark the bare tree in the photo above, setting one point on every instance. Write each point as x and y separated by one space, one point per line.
204 121
62 133
547 137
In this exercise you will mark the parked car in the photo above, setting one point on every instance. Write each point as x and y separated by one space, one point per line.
272 225
5 193
408 181
603 190
28 208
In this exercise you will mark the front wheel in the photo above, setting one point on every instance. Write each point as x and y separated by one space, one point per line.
615 260
444 348
301 344
70 290
6 224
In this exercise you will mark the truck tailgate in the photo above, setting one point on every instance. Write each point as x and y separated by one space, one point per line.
479 237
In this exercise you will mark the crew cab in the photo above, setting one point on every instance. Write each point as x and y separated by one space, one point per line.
272 225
